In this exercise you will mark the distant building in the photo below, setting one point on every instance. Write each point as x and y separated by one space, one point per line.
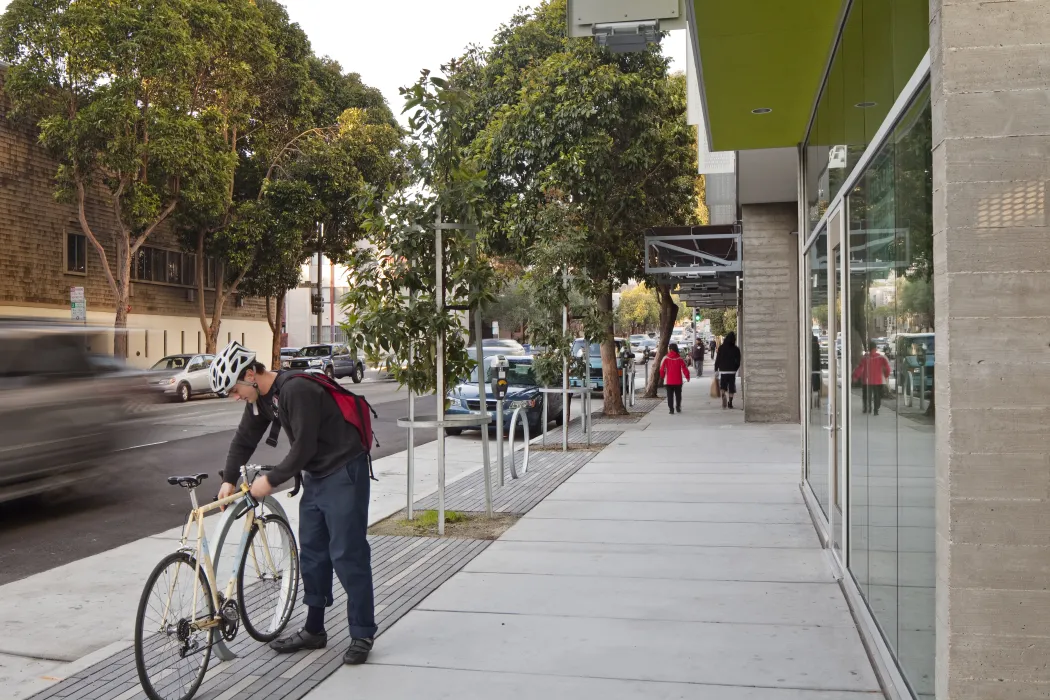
45 253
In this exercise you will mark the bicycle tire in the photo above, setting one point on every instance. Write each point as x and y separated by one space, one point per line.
153 687
273 602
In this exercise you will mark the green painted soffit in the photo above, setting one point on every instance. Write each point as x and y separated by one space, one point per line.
762 53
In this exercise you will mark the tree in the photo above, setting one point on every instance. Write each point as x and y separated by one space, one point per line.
394 302
136 100
600 138
639 309
311 123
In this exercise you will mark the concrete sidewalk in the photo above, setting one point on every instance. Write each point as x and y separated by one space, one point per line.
679 563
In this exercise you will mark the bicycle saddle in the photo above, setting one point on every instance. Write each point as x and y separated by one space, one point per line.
187 482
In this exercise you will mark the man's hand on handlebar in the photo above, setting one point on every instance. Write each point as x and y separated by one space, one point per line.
226 490
261 487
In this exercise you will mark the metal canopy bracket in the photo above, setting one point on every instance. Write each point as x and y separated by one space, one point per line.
705 262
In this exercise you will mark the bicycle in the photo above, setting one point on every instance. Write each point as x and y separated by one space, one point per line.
172 649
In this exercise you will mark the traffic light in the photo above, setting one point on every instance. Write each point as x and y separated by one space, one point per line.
698 317
317 304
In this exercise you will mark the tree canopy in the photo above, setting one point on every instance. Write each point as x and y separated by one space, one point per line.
582 150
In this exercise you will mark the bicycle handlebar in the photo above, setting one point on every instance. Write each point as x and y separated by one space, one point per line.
260 468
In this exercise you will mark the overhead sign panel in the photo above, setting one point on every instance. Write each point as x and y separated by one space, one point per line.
584 16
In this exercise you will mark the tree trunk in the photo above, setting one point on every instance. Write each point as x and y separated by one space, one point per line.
668 316
122 289
274 320
610 374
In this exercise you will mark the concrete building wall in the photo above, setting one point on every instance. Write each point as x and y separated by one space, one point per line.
991 166
769 314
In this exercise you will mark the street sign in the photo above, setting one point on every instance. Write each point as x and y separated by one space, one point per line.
77 304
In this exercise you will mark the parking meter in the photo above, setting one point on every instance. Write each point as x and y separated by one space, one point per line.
499 377
499 367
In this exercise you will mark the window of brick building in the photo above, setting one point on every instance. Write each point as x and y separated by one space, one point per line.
76 253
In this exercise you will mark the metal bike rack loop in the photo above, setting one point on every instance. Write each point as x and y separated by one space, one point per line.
514 419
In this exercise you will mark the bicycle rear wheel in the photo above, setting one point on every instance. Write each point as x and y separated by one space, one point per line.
171 654
268 578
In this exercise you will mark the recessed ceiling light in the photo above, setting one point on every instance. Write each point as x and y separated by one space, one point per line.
761 110
865 105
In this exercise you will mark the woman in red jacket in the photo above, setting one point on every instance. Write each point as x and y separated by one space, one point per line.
672 369
873 371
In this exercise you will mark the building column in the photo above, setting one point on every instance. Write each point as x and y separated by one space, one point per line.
991 165
769 313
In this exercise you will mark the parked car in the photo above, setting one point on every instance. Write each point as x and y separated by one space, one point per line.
334 360
636 342
595 362
914 360
508 346
523 391
181 377
61 410
288 353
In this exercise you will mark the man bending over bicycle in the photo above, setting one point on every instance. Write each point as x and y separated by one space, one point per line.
333 513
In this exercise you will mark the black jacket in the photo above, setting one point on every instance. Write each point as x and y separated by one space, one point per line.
728 359
321 440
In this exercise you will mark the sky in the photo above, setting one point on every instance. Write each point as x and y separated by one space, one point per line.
389 41
389 51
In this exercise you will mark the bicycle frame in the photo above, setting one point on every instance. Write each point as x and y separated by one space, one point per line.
202 555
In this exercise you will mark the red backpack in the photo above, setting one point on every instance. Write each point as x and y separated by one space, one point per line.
355 409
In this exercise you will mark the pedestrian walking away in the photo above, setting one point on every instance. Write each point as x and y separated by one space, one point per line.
872 372
673 370
331 451
698 358
727 364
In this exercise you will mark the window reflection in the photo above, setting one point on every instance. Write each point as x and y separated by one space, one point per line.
818 421
892 355
882 42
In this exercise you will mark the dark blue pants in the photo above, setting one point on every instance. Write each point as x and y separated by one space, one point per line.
333 524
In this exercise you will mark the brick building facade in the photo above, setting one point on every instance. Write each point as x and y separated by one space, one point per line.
44 254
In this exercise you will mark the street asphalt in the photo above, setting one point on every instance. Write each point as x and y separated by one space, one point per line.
131 498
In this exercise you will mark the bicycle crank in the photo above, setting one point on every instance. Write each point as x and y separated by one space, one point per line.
230 620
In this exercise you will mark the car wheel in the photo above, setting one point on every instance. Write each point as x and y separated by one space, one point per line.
330 371
182 393
453 431
359 373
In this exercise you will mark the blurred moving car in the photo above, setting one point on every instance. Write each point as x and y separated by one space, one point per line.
61 406
181 377
334 360
523 391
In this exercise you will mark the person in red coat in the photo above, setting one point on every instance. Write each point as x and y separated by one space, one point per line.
873 371
672 370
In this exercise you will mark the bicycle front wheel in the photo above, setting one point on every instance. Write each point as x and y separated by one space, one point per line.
268 578
171 652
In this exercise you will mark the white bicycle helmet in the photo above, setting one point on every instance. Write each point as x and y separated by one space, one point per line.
228 366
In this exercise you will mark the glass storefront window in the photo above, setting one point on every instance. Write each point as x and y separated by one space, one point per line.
818 417
881 44
891 352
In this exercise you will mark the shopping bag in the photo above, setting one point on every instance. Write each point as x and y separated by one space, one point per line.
716 391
